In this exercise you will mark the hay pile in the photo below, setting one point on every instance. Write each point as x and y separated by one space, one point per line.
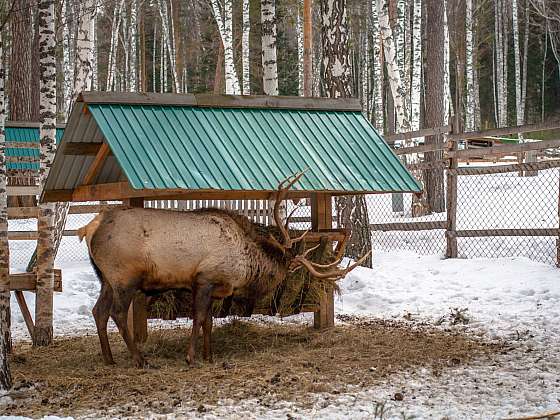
299 292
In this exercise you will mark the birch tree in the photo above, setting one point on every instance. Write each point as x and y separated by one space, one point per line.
268 41
112 63
378 74
300 47
45 223
167 40
416 78
5 374
393 73
501 43
245 48
67 61
133 39
469 68
351 210
225 27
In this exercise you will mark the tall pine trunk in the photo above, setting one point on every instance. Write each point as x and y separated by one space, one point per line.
435 100
5 339
268 40
45 223
351 210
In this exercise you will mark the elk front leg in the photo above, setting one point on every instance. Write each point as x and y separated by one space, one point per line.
202 301
119 312
207 337
101 312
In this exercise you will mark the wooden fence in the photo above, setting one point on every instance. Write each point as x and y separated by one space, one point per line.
450 162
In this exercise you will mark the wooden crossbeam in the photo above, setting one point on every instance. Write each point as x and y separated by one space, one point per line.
97 164
28 281
79 149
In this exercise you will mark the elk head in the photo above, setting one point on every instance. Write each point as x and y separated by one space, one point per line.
331 271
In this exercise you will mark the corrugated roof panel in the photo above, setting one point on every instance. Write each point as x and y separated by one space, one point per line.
188 147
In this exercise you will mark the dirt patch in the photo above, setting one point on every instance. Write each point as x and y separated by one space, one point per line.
251 360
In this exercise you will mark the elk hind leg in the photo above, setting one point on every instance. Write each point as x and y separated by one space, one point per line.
101 312
202 301
119 312
207 337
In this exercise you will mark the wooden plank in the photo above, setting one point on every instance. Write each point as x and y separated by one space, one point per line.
451 200
22 159
97 164
22 212
92 208
473 233
20 297
278 102
31 235
28 124
22 144
23 189
420 149
425 132
409 226
80 149
505 149
498 132
144 98
428 165
28 281
501 169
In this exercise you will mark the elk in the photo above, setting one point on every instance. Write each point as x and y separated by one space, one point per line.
213 253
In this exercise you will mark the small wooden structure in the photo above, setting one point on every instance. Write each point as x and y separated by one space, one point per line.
141 147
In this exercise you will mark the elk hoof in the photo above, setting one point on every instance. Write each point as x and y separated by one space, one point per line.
139 362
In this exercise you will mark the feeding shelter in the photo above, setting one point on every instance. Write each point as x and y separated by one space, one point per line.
136 147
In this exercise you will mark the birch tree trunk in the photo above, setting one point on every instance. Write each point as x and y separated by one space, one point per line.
133 60
67 62
112 63
268 40
164 15
416 80
501 45
351 210
469 70
447 102
378 74
299 34
45 222
245 48
225 27
5 339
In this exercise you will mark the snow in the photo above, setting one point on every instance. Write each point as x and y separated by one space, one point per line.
514 299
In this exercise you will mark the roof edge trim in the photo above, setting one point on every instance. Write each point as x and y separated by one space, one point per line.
222 101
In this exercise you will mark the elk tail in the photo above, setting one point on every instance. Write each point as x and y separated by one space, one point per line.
82 232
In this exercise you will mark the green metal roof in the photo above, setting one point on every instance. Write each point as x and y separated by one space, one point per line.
25 135
221 148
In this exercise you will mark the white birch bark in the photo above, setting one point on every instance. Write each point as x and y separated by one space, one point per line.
416 79
378 74
365 76
112 63
469 70
133 60
299 34
393 73
94 76
5 339
154 54
167 39
85 49
501 43
67 61
45 222
517 60
245 48
268 41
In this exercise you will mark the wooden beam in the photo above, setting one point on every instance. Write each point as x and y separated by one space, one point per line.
502 169
409 226
81 149
97 164
28 124
425 132
20 297
23 189
22 212
28 281
497 132
23 145
505 149
221 101
472 233
420 149
32 235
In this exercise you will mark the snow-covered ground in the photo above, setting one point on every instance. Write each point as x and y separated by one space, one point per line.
514 299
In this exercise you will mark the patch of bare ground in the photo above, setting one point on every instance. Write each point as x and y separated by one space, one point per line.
251 360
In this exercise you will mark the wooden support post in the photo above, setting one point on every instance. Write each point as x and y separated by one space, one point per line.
25 311
452 176
321 218
138 311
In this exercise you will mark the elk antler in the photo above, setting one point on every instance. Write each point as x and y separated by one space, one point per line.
281 194
330 274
